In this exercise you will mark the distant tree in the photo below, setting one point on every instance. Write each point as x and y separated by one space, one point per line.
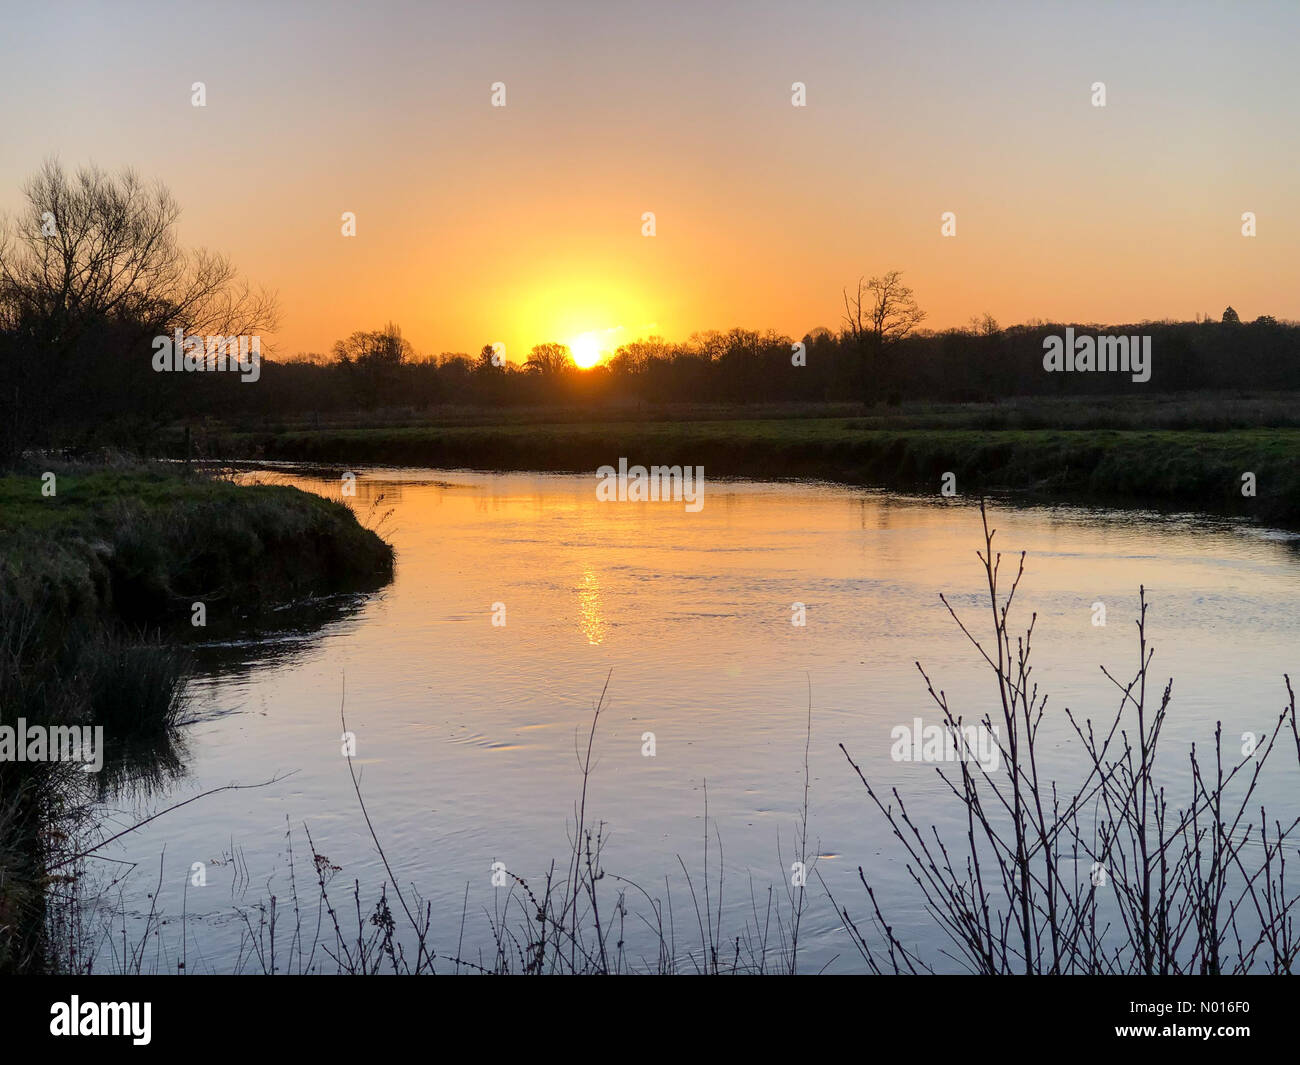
455 363
880 314
548 359
373 362
1230 317
740 343
381 347
634 356
486 361
882 310
1266 319
709 345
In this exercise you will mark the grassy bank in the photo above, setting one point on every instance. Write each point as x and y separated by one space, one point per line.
1208 411
1180 468
140 544
95 577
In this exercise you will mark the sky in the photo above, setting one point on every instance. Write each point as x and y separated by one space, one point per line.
524 224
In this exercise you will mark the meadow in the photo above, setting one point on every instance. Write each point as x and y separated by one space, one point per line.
1181 453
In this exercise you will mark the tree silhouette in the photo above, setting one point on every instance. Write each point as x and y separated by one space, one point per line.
878 315
382 347
373 362
486 361
549 359
94 255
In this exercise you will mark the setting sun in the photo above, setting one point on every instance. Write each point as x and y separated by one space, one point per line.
586 350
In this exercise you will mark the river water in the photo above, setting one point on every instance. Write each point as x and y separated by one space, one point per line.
468 732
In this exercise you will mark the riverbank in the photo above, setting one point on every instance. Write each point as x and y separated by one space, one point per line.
140 543
95 555
1186 469
101 570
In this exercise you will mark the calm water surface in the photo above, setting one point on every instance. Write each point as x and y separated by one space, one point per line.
466 732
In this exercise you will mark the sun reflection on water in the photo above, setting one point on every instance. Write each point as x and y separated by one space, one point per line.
590 619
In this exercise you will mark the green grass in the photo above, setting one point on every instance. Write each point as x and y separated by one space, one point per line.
1196 470
90 576
142 544
1208 411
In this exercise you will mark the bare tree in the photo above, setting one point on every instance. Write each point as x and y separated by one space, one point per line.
373 362
549 359
93 245
878 315
93 254
636 355
380 347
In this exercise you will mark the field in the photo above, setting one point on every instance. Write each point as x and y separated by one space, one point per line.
1186 454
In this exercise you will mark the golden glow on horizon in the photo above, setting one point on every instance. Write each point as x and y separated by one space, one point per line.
588 313
544 237
586 350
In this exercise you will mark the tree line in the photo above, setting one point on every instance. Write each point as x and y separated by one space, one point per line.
980 363
91 273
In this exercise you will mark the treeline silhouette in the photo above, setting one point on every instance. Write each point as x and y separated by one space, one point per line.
92 279
120 400
743 366
109 393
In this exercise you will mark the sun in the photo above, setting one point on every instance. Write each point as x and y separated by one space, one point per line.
586 350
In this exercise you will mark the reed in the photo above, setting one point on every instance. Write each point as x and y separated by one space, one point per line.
1107 874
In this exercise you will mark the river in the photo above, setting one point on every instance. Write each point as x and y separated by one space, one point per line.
471 680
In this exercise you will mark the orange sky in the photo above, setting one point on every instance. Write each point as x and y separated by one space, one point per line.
522 224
